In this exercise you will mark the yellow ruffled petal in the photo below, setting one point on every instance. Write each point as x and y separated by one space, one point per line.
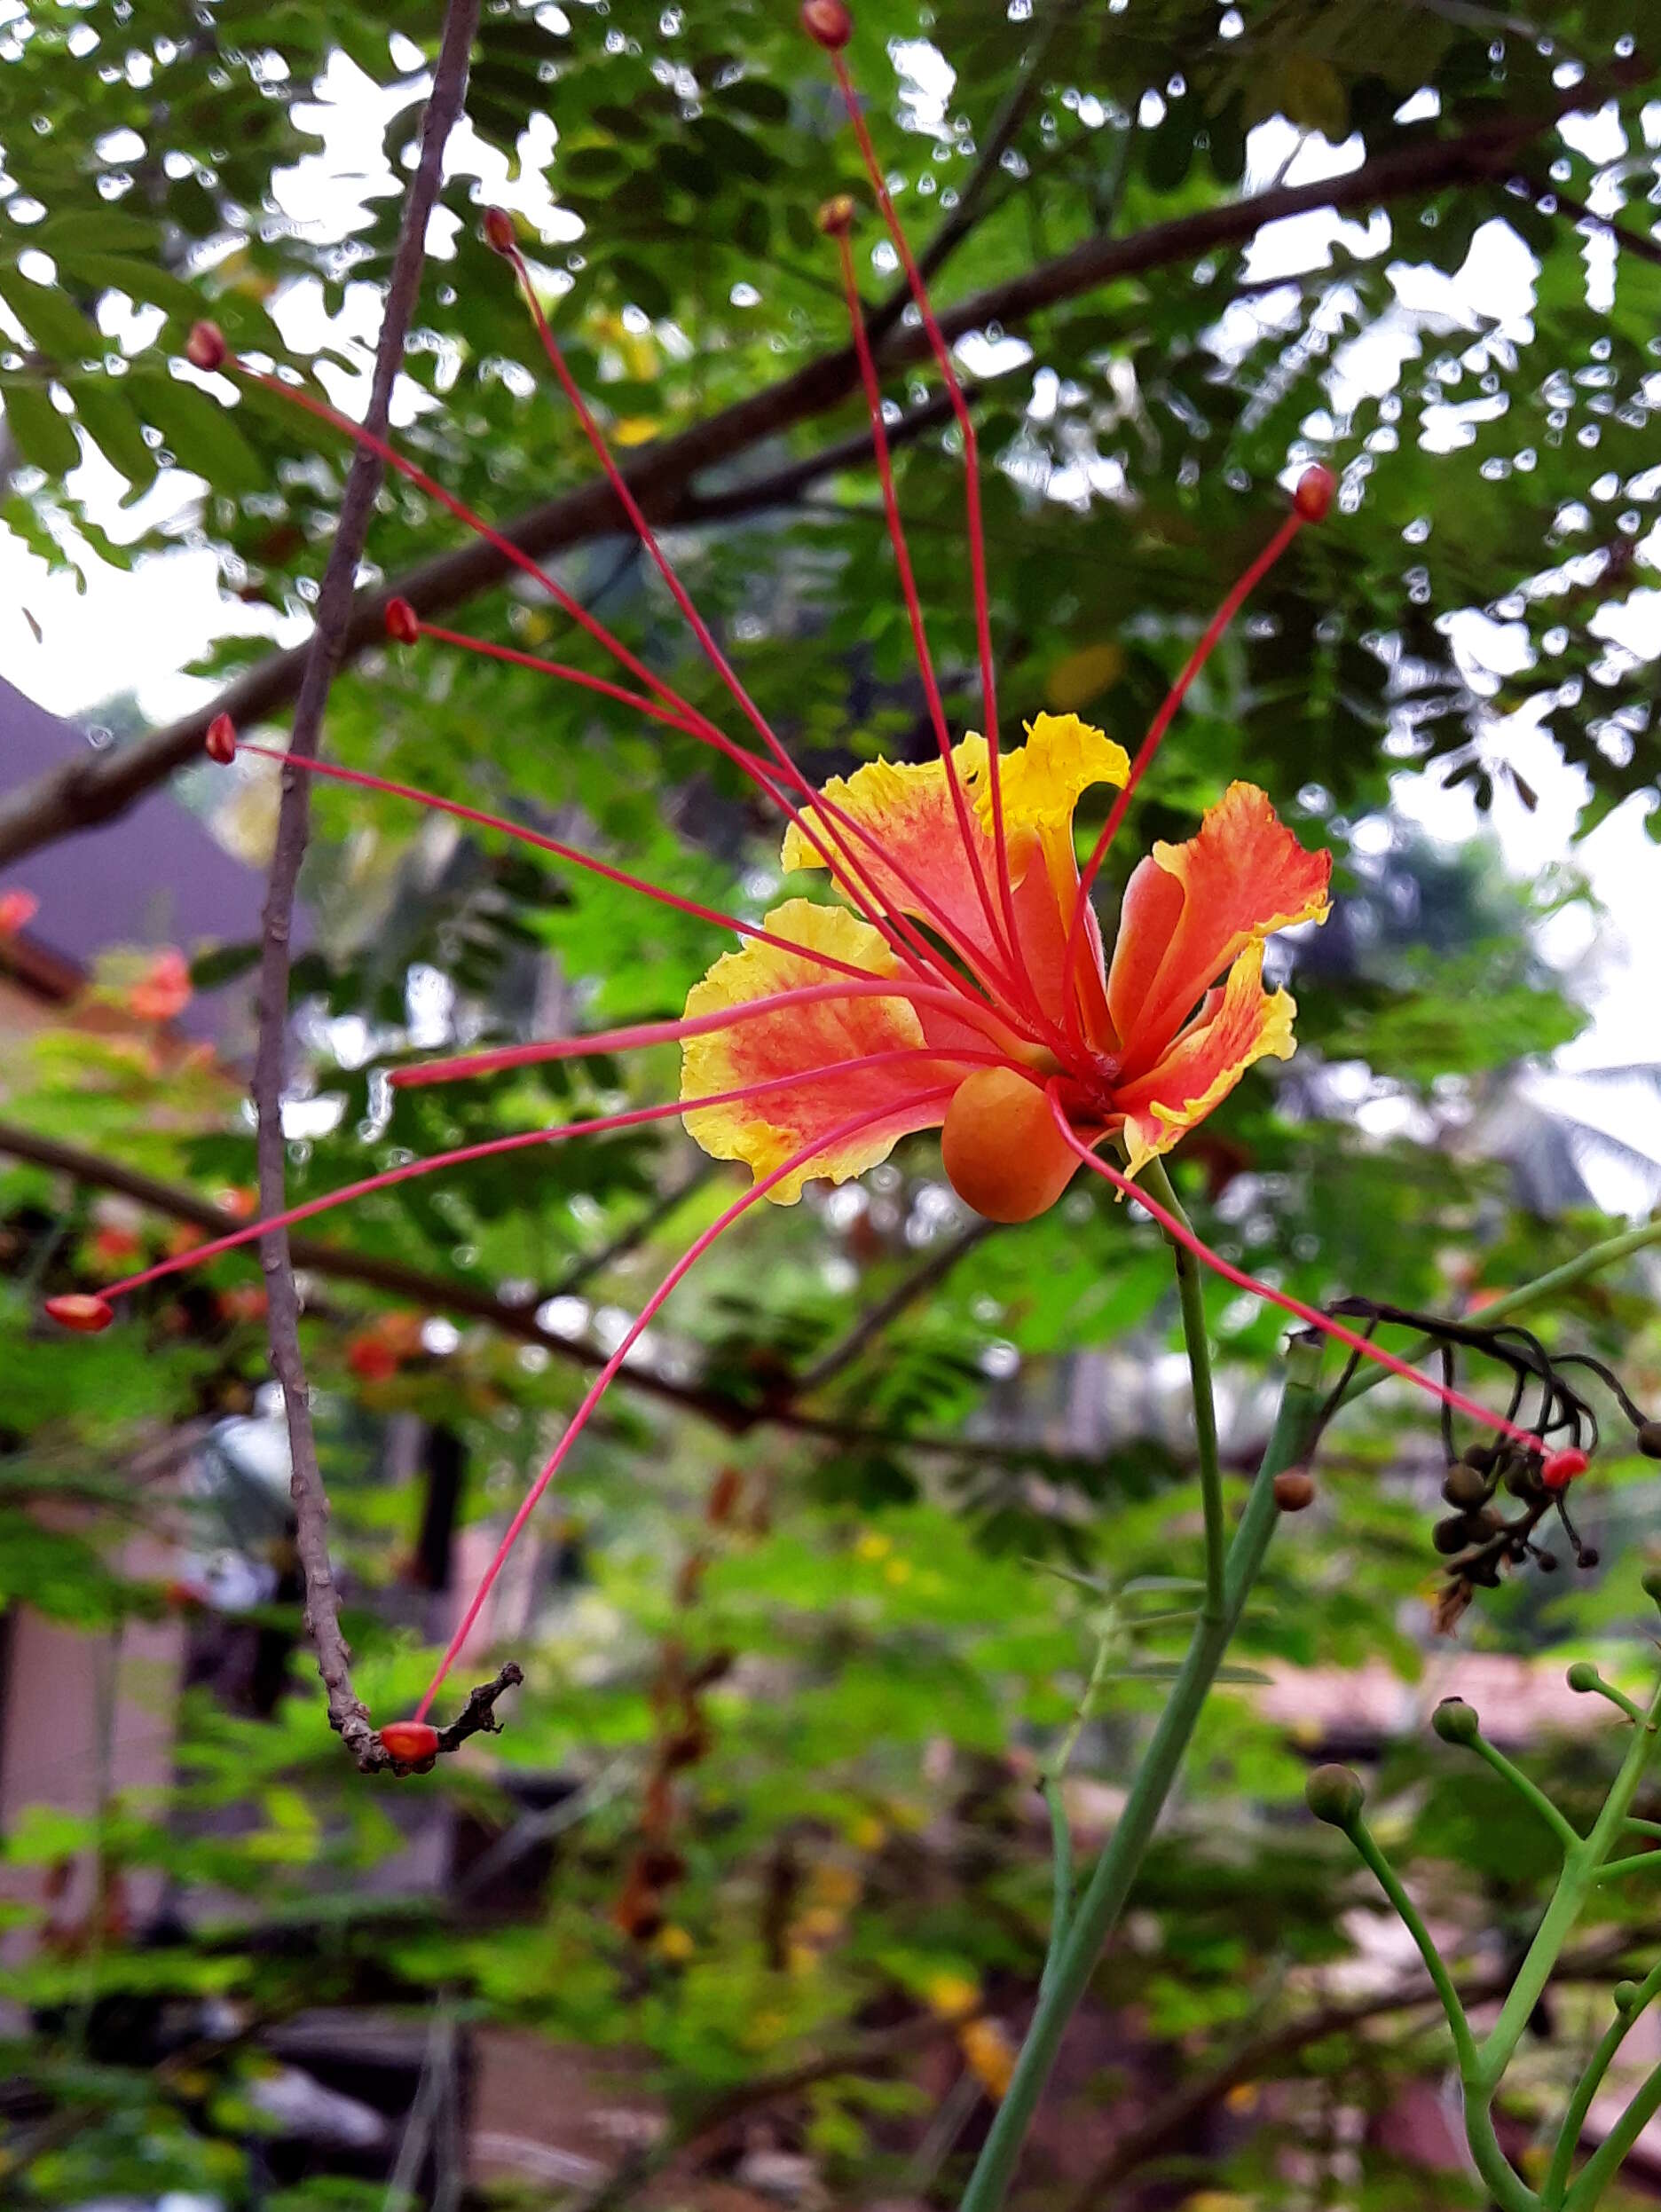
1040 783
814 1042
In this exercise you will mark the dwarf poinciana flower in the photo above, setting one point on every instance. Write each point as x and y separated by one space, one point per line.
955 975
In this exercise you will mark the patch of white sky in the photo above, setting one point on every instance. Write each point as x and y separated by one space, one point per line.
70 645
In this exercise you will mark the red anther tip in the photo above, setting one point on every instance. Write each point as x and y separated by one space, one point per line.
78 1310
1316 489
498 229
220 744
1558 1469
410 1742
403 626
18 909
828 23
836 218
205 348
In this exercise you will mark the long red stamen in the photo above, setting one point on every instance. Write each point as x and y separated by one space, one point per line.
361 780
640 1034
560 671
1310 1315
1312 499
971 473
521 1140
908 941
603 1380
1007 946
826 810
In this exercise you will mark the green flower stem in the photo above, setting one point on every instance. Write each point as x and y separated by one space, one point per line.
1061 1909
1586 2088
1529 1792
1616 1698
1605 2162
1191 1291
1580 1870
1642 1828
1367 1844
1098 1910
1640 1862
1591 1262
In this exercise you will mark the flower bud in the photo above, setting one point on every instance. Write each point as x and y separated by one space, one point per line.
1455 1721
1650 1439
1650 1585
403 626
1521 1479
410 1742
1483 1457
835 216
80 1310
1449 1536
1559 1468
1293 1490
220 744
1625 1994
1583 1676
498 229
828 23
1464 1486
1315 490
205 348
1334 1794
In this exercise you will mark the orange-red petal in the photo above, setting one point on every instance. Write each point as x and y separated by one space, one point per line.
1191 909
1239 1023
818 1042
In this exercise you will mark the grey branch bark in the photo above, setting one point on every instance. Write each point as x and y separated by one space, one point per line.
324 650
100 786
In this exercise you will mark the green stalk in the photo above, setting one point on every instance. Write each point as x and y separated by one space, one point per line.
1605 2162
1098 1910
1586 2088
1191 1292
1529 1792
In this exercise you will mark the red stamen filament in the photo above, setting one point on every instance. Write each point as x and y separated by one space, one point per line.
601 1381
1149 745
642 1034
1018 981
971 474
1311 1316
521 1140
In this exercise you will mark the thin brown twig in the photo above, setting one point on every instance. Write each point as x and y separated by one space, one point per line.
347 1712
96 787
876 1318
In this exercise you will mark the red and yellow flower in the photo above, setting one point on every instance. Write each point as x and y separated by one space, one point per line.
1139 1049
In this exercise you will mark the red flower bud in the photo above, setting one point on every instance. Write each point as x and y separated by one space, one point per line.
410 1742
220 742
205 348
403 626
498 229
79 1310
836 218
1558 1469
1316 488
828 23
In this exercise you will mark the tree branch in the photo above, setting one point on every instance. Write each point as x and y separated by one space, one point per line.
96 788
347 1712
871 1324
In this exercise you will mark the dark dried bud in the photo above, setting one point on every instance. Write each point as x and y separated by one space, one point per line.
1455 1721
1546 1562
835 216
1334 1794
498 229
1293 1490
1521 1479
1650 1439
1482 1524
828 23
1482 1457
1316 489
1583 1676
1590 1556
205 348
1464 1486
1449 1536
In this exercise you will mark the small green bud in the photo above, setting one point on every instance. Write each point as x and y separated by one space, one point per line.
1455 1721
1650 1585
1449 1536
1650 1439
1626 1995
1464 1486
1334 1794
1584 1676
